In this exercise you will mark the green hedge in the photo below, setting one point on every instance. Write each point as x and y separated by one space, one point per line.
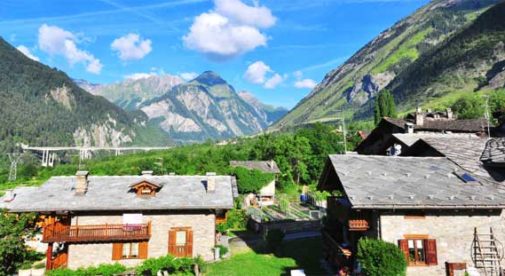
251 181
379 258
103 269
174 266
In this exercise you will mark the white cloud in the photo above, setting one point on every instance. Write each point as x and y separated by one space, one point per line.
259 16
139 76
187 76
131 47
256 72
231 29
305 83
57 41
23 49
274 81
302 83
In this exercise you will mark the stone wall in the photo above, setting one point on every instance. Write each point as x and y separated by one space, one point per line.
452 231
202 224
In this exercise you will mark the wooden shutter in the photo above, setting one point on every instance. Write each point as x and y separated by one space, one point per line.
189 243
404 247
431 252
171 242
117 251
143 249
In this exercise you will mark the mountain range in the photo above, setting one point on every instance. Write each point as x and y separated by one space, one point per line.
443 50
206 107
42 106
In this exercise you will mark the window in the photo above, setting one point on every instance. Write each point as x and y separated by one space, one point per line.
419 251
129 250
416 252
180 242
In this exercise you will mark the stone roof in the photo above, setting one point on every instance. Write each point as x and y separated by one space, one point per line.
265 166
113 193
385 182
411 138
466 125
494 152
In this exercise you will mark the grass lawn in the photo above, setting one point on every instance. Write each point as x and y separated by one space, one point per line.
302 254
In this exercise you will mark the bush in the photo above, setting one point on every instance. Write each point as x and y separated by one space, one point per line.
174 266
378 257
222 250
470 106
251 181
103 269
236 219
274 238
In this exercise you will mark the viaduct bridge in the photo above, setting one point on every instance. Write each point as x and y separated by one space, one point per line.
49 154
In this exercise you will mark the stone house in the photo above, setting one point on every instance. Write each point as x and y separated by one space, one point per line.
266 195
92 220
440 215
382 139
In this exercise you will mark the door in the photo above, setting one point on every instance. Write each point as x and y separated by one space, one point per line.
180 242
60 258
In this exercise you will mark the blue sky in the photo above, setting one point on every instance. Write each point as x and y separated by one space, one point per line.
275 49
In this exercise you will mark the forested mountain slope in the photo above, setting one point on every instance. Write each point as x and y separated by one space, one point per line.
386 61
43 106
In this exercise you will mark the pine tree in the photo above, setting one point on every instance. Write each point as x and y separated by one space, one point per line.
384 106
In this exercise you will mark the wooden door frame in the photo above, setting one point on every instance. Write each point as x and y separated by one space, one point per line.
186 229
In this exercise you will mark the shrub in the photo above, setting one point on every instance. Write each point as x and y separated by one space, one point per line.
103 269
470 106
236 219
378 257
273 238
222 250
251 181
175 266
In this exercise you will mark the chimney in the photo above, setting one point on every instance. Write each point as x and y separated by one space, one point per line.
419 116
409 128
81 186
271 164
449 113
211 182
147 173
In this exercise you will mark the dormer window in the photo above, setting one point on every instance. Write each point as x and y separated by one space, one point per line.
145 188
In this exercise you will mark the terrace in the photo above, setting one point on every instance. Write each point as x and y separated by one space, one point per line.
58 232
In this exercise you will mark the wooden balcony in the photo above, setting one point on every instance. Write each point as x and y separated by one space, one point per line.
358 225
58 232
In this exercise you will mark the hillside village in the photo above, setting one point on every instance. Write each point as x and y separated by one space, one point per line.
394 164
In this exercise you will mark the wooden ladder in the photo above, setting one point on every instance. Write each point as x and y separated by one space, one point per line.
486 256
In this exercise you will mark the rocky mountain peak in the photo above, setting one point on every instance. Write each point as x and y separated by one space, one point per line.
209 78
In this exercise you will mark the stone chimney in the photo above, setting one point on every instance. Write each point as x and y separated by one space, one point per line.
449 113
211 182
419 116
147 173
409 128
81 186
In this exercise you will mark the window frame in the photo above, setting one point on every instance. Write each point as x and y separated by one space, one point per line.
416 261
130 256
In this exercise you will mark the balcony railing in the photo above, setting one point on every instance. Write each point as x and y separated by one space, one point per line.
57 232
358 225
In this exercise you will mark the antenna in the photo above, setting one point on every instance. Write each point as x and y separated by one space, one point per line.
487 115
344 129
14 158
